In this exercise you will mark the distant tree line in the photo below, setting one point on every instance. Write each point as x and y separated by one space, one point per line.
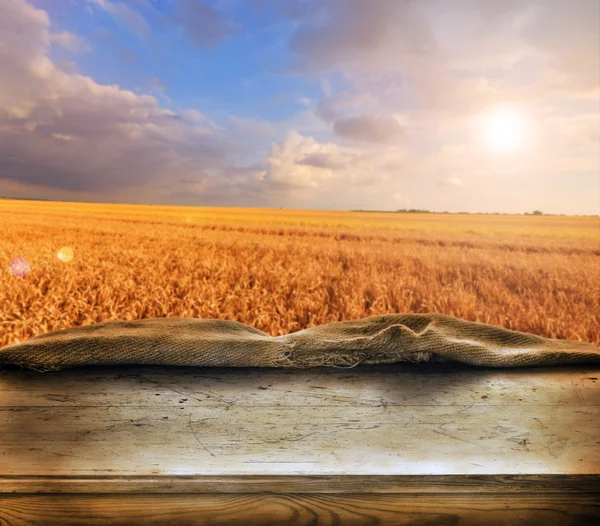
418 211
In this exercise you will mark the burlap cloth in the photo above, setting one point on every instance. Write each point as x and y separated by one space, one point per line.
377 339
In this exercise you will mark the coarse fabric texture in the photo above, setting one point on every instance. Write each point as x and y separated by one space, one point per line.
377 339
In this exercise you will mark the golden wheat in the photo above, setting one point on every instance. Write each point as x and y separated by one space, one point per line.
281 271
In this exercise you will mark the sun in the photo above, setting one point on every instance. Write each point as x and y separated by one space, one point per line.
504 130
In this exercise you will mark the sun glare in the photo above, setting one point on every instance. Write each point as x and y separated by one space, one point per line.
504 130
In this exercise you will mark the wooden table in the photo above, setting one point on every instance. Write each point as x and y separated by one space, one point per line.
426 444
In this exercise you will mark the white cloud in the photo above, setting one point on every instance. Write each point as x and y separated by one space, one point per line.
63 130
71 42
440 63
123 14
399 82
424 53
286 165
304 170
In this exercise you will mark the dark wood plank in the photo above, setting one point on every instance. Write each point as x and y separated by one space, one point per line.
393 484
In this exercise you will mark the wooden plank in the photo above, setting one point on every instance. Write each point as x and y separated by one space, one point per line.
394 484
301 509
395 384
404 419
392 440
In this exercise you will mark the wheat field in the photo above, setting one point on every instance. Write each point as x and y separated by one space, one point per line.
285 270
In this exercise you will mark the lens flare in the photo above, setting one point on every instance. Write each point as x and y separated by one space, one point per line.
65 254
19 267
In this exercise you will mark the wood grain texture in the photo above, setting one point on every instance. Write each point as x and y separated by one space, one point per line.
330 484
394 444
303 509
374 420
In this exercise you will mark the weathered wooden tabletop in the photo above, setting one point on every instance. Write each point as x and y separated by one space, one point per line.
448 433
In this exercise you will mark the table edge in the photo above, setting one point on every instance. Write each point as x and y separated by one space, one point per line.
399 484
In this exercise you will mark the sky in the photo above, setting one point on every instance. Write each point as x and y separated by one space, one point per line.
444 105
